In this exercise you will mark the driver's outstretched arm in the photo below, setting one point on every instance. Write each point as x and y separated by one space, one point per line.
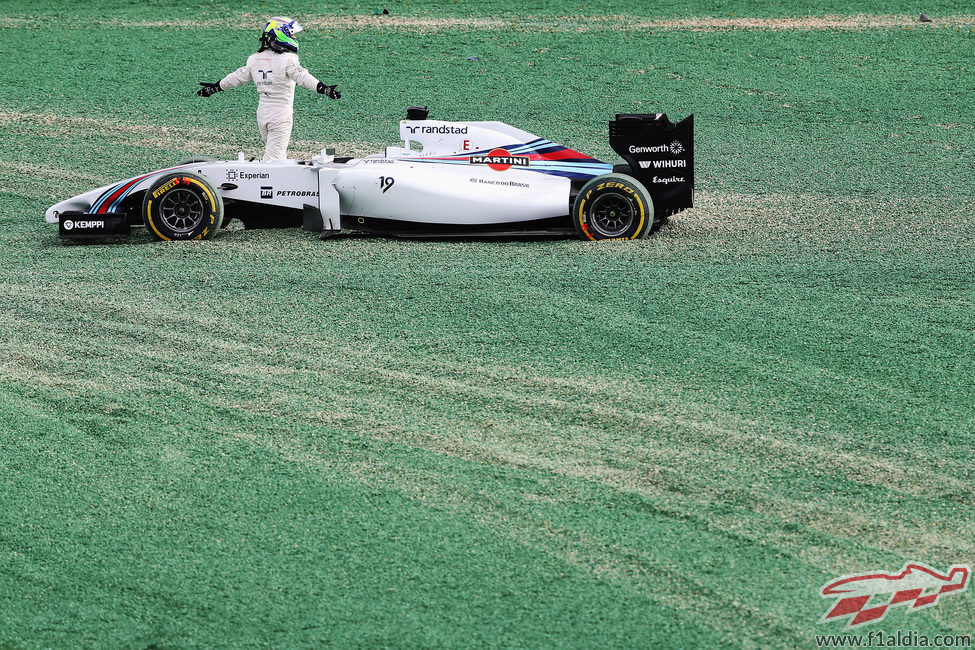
300 75
238 77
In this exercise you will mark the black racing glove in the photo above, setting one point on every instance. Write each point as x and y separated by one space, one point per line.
208 89
328 91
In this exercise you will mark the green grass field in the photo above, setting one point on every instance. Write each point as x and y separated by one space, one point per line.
270 440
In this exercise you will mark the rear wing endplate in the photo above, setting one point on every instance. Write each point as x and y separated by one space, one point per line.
660 155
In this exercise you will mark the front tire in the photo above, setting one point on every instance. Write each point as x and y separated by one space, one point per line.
182 206
613 206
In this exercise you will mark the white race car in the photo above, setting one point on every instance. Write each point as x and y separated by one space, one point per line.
465 178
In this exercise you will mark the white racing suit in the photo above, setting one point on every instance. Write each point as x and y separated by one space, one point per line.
275 74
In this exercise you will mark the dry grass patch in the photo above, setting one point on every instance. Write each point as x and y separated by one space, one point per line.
35 180
574 23
188 140
797 23
786 219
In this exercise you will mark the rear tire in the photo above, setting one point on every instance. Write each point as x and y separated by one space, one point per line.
181 206
622 167
194 159
613 206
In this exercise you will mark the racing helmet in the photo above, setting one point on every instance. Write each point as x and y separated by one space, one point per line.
279 34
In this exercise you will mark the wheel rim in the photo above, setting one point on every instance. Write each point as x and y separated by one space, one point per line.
611 215
181 210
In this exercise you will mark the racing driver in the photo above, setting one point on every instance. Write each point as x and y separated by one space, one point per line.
275 70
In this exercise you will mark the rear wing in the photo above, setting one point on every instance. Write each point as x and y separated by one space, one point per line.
660 155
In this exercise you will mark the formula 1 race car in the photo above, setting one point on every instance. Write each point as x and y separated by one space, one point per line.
467 178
